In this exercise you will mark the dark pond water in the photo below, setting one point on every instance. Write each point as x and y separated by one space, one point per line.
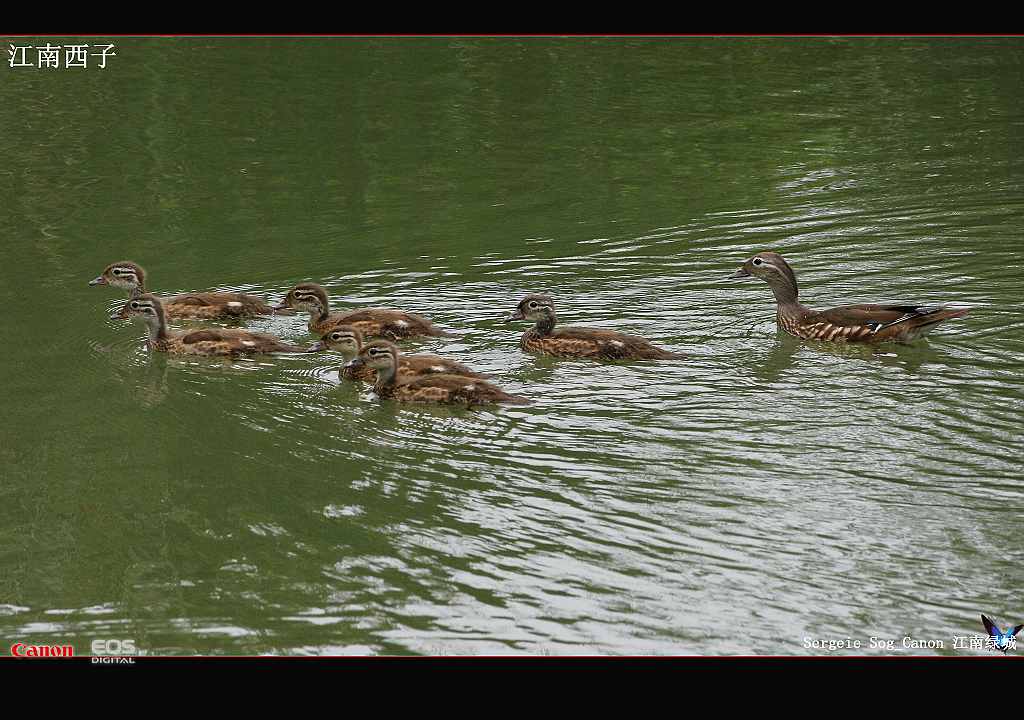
794 490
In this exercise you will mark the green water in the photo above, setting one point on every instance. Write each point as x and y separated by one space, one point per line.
762 492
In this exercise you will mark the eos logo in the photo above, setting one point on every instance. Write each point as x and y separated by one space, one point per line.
103 648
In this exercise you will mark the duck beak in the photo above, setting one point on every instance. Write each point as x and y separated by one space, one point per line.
121 314
353 364
98 281
517 315
282 306
741 273
317 347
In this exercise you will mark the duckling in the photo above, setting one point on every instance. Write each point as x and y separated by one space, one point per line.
372 322
206 305
384 357
231 342
852 323
579 342
349 341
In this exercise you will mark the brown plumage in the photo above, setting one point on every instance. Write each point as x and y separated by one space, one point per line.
371 322
579 342
384 358
853 323
229 342
131 277
349 341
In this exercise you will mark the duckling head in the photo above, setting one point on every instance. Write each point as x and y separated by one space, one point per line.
146 307
380 355
344 339
535 308
125 275
305 296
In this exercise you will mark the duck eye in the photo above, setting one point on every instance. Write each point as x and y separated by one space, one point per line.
533 306
758 261
135 306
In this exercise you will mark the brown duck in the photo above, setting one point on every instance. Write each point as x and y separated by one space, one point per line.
579 342
384 358
371 322
208 305
852 323
221 341
349 341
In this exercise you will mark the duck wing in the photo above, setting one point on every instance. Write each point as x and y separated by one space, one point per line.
859 322
613 345
213 304
454 389
384 322
239 341
423 364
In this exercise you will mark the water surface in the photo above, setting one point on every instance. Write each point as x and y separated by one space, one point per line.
763 492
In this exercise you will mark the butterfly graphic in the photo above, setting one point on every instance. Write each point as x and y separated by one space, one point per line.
1002 637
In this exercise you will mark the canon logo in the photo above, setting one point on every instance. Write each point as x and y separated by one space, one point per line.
23 650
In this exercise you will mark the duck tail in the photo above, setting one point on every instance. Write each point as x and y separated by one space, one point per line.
934 318
947 314
659 354
516 400
434 331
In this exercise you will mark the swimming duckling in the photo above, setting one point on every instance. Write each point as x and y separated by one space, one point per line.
385 358
579 342
221 341
131 277
349 341
371 322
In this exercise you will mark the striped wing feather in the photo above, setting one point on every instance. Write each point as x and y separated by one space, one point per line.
874 322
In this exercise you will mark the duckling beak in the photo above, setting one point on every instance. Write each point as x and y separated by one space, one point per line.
282 306
100 280
741 273
121 314
517 315
353 364
317 346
